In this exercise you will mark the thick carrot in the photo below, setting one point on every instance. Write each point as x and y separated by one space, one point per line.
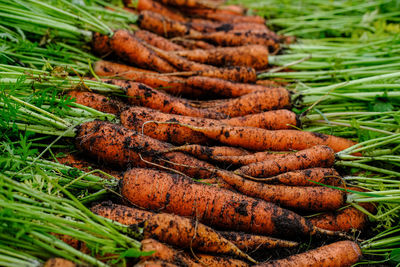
338 254
249 242
140 94
255 56
307 177
192 44
239 38
211 205
316 156
99 102
171 229
117 145
252 158
204 25
132 50
270 120
166 253
158 8
309 198
234 9
209 152
171 84
157 41
101 45
218 261
58 262
278 140
345 220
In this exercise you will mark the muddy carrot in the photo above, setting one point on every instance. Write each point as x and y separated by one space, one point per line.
219 261
59 262
155 263
101 45
132 50
204 25
119 146
209 152
171 229
157 8
338 254
191 3
250 242
316 156
223 15
152 189
255 56
157 41
192 44
99 102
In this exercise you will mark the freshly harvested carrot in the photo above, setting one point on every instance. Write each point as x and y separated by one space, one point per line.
132 50
271 83
239 38
154 263
252 158
344 220
117 145
338 254
249 242
255 56
209 152
278 140
157 41
192 44
218 261
158 8
191 3
99 102
171 84
143 95
307 177
152 189
171 229
204 25
316 156
101 45
166 253
309 198
222 15
163 26
58 262
234 9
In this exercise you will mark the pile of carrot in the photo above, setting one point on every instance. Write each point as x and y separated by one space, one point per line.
210 159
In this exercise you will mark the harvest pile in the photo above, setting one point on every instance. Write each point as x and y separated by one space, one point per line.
188 133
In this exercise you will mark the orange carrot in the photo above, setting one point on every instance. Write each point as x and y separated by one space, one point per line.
101 45
209 152
255 56
204 25
249 242
171 229
158 8
234 9
192 44
154 263
97 101
279 140
270 120
157 41
338 254
191 3
140 94
344 220
316 156
132 50
59 262
310 198
223 15
218 261
152 189
117 145
252 158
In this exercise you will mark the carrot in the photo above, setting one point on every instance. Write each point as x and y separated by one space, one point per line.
316 156
97 101
58 262
255 56
223 15
278 140
338 254
344 220
214 206
310 198
204 25
140 94
209 152
255 102
165 253
191 3
270 120
117 145
307 177
171 84
234 9
252 158
154 263
158 8
101 45
157 41
239 38
218 261
192 44
132 50
171 229
249 242
271 83
163 26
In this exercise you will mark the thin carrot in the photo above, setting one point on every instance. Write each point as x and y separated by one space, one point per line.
152 189
204 25
59 262
192 44
249 242
97 101
218 261
234 9
338 254
278 140
171 229
191 3
255 56
309 198
143 95
223 15
157 41
154 263
270 120
209 152
316 156
132 50
119 146
158 8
